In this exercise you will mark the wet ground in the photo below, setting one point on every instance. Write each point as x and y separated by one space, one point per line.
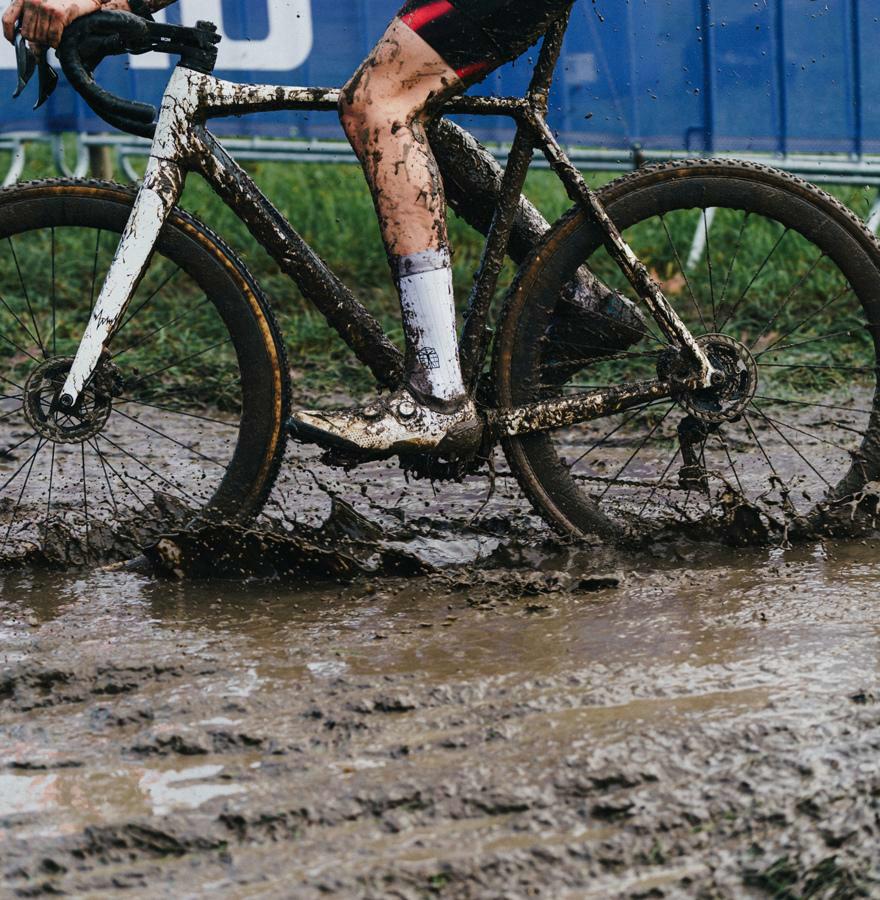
708 727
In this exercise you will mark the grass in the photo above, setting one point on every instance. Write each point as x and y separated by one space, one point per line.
331 207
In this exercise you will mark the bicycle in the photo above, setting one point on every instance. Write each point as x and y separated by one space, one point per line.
748 384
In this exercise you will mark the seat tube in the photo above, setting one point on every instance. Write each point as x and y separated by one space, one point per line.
161 189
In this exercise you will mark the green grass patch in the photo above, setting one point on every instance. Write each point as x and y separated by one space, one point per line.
332 209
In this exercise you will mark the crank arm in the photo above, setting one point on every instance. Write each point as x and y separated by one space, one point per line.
552 414
163 184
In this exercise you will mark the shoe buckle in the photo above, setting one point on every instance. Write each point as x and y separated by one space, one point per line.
406 409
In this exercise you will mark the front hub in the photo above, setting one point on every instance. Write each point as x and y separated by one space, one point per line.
80 423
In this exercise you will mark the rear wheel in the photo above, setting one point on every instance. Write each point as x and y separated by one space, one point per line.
186 414
781 283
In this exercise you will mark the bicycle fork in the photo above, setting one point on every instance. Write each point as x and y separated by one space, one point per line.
161 189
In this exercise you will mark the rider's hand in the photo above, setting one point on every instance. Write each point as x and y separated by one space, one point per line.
43 21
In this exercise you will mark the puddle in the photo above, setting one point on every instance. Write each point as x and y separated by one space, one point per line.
700 717
173 790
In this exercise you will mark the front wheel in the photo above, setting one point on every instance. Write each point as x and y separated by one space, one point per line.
186 414
781 284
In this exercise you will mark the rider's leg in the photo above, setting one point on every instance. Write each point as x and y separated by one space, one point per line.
384 110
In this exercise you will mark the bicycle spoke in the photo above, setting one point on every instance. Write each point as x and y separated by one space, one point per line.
172 440
8 415
153 334
94 288
723 443
861 369
143 378
106 477
18 347
660 482
5 380
10 450
808 434
180 412
591 360
49 500
792 446
709 268
18 321
27 298
632 329
635 414
683 269
755 277
639 449
736 249
769 462
148 468
815 340
866 412
812 315
149 299
82 448
115 471
27 478
54 300
784 305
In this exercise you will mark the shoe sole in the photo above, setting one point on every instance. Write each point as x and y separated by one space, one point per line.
460 441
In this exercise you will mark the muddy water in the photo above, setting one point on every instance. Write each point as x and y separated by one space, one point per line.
711 727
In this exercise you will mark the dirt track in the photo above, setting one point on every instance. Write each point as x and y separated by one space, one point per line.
544 720
709 728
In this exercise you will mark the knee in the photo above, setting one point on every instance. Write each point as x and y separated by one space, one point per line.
367 116
352 107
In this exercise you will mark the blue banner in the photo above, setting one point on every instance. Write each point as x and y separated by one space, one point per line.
678 75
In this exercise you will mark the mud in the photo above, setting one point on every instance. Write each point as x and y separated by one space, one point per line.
552 721
399 689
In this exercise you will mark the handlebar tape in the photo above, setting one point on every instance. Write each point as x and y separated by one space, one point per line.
87 41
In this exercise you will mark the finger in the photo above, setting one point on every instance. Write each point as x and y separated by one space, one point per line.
10 17
29 18
55 29
40 27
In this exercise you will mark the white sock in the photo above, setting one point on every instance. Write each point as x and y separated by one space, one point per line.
428 304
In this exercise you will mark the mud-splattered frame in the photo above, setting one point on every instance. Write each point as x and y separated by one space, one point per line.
182 144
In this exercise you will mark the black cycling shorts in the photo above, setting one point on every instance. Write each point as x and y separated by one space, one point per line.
477 36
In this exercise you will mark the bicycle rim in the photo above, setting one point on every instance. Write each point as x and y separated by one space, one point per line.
787 281
184 418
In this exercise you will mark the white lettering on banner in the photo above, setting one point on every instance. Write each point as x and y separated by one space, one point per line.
287 46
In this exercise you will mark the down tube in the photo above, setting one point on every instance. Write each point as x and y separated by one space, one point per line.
343 311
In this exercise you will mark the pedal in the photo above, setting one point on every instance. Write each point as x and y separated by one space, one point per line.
342 459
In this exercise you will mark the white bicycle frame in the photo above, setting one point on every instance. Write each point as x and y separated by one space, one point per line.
188 97
181 144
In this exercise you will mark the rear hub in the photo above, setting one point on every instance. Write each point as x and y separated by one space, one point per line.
734 384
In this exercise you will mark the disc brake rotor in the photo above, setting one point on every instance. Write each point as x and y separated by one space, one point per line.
69 426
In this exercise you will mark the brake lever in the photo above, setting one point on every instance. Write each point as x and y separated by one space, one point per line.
48 79
26 62
29 62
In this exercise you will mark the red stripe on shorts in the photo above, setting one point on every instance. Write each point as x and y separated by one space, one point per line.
423 16
472 70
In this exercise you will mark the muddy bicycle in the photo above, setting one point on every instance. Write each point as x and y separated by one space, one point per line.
629 381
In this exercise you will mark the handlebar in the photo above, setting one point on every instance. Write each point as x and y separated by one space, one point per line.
89 40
